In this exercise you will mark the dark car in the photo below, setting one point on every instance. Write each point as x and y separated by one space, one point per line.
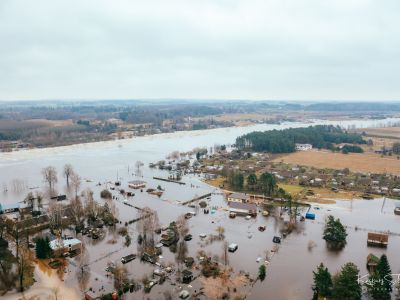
188 237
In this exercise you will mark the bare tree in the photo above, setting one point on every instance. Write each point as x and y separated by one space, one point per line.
75 182
120 276
182 226
25 266
147 224
55 215
78 212
83 269
181 252
68 171
50 176
221 231
39 199
30 199
225 254
91 207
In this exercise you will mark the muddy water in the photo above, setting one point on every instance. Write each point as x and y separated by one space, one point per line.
289 275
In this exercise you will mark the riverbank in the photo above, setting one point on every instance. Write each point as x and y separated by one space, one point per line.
347 123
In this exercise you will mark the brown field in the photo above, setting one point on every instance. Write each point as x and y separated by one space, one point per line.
238 119
365 162
384 132
32 124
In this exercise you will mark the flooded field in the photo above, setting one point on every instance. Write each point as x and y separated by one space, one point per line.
289 274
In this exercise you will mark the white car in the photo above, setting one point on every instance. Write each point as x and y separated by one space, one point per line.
233 247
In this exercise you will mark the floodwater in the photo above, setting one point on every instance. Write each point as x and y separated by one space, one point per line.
289 275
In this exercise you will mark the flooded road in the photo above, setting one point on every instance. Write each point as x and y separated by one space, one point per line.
289 275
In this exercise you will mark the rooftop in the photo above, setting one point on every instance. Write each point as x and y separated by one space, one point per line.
247 206
57 244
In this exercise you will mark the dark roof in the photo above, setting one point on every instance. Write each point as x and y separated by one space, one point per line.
239 205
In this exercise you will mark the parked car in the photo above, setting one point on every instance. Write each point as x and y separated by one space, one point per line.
233 247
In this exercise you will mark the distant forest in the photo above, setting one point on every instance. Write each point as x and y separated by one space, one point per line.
283 141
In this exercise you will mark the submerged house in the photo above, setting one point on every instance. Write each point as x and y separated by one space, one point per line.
238 197
13 207
59 246
242 208
137 184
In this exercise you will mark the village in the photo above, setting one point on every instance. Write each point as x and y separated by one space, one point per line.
111 239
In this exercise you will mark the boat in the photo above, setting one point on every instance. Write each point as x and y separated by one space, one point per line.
128 258
262 228
232 215
265 213
367 196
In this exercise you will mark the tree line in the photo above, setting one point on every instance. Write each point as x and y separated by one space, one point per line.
347 284
284 141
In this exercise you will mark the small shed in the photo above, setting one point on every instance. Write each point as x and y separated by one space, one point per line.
377 239
372 262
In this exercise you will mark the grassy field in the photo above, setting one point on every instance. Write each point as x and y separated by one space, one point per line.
365 162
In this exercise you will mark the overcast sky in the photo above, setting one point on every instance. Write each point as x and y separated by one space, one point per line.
225 49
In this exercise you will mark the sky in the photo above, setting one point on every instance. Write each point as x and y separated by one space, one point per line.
200 49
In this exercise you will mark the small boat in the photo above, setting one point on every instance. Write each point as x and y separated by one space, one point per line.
367 196
262 228
248 217
232 215
265 213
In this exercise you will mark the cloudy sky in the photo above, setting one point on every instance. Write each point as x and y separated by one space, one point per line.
225 49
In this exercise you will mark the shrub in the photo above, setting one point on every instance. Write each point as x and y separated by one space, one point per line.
106 194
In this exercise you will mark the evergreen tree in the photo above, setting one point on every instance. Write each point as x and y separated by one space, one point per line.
375 288
267 183
251 181
262 271
322 281
335 233
379 285
346 285
43 249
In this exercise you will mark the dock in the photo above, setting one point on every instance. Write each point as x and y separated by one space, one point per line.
169 180
196 199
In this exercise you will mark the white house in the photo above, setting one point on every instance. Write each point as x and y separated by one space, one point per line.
59 246
303 147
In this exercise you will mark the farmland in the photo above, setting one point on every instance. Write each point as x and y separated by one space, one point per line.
366 162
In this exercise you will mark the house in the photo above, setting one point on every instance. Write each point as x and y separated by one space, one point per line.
59 246
242 208
303 147
9 208
238 197
13 207
137 184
